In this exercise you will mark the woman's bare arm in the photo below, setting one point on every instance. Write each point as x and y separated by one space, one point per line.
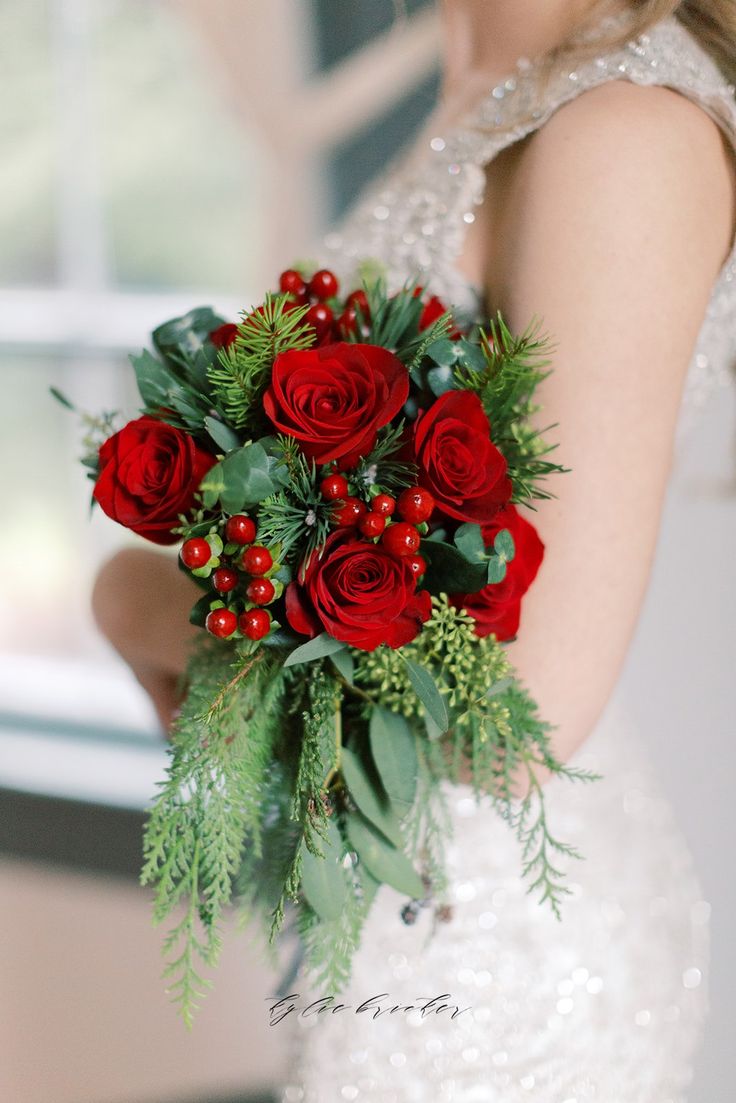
619 217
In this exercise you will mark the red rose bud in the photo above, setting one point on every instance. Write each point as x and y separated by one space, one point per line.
497 607
335 398
149 472
458 462
224 335
359 594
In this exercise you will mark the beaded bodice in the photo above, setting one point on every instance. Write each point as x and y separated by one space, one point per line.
414 217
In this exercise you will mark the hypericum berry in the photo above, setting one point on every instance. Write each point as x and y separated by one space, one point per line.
372 524
347 323
383 504
334 488
417 564
255 623
195 552
415 504
257 560
320 316
401 539
323 284
349 512
221 623
359 299
240 529
260 591
225 579
292 282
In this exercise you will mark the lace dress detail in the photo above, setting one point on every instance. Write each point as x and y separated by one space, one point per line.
608 1004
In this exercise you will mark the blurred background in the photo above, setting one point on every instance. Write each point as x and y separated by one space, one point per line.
160 154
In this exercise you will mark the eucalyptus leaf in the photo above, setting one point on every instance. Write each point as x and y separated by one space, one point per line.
385 862
223 436
496 569
323 880
395 755
426 690
369 797
440 380
200 609
448 570
503 545
315 649
155 381
344 664
186 335
443 352
469 540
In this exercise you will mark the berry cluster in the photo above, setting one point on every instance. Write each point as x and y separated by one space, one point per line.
401 538
247 560
331 319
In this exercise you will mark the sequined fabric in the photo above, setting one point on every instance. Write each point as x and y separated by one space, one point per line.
609 1003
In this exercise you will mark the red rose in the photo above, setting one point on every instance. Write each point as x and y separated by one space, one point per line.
335 398
149 472
359 594
497 608
224 335
458 462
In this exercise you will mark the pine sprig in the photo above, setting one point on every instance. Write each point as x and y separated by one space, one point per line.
506 384
299 516
382 471
243 369
208 804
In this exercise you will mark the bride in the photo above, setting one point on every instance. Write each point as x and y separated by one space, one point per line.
579 166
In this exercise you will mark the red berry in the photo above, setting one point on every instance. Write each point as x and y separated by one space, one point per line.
372 524
415 504
260 591
349 512
195 552
334 487
292 282
347 323
240 529
225 579
257 560
320 316
323 284
221 623
417 564
255 623
383 504
359 299
401 539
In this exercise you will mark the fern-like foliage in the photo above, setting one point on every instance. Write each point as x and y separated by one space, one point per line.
506 384
222 747
495 730
243 370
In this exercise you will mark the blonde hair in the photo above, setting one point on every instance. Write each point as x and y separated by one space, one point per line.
712 22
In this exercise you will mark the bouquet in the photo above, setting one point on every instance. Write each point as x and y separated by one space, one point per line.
343 475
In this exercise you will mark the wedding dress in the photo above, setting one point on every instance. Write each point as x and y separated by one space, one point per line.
607 1004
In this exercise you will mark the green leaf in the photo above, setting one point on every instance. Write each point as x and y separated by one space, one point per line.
315 649
62 398
440 380
382 860
186 335
223 436
395 755
344 664
367 794
469 540
496 569
241 480
426 690
448 570
443 352
155 381
503 545
323 880
200 609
